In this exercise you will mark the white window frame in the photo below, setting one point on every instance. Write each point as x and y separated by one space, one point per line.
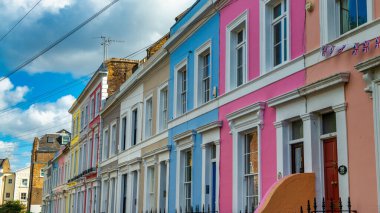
330 23
97 101
148 127
22 194
235 25
87 115
241 121
266 45
136 107
113 142
210 136
92 110
148 205
123 139
292 141
178 68
199 53
160 122
95 146
185 142
104 155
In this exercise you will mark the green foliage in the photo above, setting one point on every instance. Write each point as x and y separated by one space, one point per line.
12 207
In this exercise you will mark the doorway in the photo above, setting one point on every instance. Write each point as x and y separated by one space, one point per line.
330 160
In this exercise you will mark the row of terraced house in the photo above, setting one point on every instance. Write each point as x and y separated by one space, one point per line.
245 105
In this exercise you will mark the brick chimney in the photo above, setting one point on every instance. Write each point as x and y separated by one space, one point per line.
119 70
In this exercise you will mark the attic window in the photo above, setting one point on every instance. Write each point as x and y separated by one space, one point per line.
50 139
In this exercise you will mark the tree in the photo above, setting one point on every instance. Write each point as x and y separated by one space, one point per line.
12 207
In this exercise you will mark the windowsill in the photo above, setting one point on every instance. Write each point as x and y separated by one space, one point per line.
138 145
352 32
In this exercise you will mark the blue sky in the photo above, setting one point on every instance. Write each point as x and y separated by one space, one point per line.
27 108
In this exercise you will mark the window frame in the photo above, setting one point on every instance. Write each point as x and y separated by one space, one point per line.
150 99
105 152
242 143
241 22
200 52
21 195
161 126
295 142
274 22
22 182
266 14
180 66
113 143
134 126
330 24
123 138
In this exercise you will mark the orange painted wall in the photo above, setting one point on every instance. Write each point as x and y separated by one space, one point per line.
360 132
288 194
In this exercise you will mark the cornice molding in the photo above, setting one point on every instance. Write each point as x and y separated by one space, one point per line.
334 80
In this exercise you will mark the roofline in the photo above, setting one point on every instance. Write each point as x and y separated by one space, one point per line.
22 168
98 72
139 73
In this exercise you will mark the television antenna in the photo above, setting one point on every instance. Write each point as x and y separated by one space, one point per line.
106 42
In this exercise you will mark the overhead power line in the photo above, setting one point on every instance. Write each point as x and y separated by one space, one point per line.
19 21
30 60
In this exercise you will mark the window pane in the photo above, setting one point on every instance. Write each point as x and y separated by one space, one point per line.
277 44
240 36
251 153
297 129
297 158
239 77
277 11
353 13
328 123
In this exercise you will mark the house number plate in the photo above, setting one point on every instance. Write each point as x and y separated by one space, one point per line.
342 169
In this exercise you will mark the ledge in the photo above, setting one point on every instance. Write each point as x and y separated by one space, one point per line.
212 125
309 89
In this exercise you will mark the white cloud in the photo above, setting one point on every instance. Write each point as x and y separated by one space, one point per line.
15 9
37 119
9 95
7 148
138 23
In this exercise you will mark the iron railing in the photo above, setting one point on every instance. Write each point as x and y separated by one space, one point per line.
328 206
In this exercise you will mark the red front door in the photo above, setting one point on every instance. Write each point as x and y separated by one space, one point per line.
331 171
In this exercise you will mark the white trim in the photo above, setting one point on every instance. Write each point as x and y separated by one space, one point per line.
145 136
158 121
113 123
285 70
198 52
185 141
212 131
331 99
243 120
266 50
322 84
242 18
178 67
103 142
330 23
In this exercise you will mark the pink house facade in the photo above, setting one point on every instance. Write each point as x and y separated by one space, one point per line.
249 30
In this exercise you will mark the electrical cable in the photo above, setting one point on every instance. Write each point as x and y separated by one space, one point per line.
14 26
30 60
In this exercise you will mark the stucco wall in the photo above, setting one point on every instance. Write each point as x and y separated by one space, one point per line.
360 131
267 142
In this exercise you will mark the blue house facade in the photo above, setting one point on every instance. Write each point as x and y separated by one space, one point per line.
193 126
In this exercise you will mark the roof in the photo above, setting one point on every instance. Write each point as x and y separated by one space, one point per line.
2 161
101 70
